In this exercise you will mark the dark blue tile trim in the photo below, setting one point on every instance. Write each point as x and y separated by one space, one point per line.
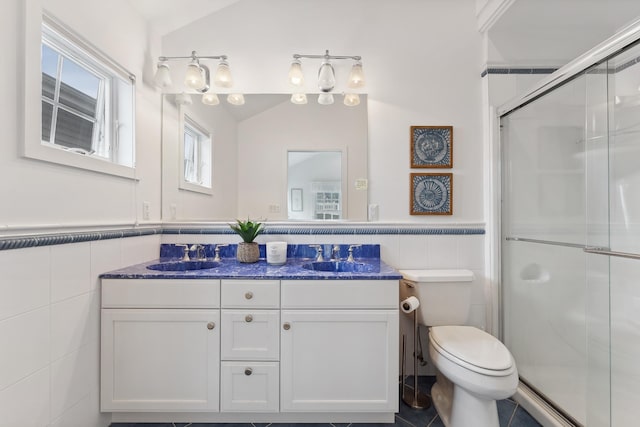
64 238
334 230
20 242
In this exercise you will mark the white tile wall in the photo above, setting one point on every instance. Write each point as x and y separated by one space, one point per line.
49 313
24 285
26 403
49 329
70 270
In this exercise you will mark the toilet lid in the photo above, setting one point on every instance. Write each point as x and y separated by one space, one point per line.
472 346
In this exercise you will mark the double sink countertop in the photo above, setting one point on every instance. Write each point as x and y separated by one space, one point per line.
368 266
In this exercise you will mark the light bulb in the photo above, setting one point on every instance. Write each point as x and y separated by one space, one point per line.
356 76
183 99
193 77
223 75
299 98
162 78
325 99
210 98
351 99
296 77
326 77
235 99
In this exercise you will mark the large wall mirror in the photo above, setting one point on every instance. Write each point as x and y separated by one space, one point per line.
251 156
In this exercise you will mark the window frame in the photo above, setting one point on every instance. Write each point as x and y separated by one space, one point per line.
189 123
121 163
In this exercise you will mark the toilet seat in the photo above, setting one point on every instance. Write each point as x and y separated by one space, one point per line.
472 349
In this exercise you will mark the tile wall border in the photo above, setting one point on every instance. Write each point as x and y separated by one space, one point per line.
49 239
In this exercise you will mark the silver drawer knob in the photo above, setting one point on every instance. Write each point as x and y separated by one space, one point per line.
286 326
248 318
248 295
211 325
248 371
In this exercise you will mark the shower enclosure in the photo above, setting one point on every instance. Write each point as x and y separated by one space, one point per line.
570 238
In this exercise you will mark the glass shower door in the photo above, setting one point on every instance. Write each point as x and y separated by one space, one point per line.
555 296
624 187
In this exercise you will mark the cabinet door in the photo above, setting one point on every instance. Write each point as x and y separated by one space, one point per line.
160 360
339 360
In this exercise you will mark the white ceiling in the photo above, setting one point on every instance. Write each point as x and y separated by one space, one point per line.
552 32
529 32
169 15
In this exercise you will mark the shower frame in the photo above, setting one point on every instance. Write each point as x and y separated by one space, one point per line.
534 401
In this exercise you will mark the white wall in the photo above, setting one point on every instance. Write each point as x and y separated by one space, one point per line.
36 193
422 62
49 296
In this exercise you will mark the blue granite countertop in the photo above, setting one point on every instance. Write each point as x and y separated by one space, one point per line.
230 268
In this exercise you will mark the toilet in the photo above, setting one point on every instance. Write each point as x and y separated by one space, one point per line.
474 369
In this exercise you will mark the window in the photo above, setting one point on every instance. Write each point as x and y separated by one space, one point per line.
87 106
196 164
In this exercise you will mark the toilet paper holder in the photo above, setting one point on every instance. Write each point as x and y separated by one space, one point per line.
415 399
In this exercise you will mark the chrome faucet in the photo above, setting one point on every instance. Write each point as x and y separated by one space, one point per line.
318 248
351 248
335 253
185 248
199 251
217 252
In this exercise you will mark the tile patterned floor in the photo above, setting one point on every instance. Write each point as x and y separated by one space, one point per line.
510 414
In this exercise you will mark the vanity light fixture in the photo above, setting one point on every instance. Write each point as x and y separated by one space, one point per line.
327 77
325 99
299 98
183 99
210 98
235 99
197 75
351 99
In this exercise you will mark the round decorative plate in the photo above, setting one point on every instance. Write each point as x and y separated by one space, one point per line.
431 145
430 195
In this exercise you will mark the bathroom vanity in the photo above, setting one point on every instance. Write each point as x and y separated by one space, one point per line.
250 343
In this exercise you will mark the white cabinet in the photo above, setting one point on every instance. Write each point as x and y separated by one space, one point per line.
245 350
160 360
156 357
339 360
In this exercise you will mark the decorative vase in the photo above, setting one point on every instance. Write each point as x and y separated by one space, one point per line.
248 252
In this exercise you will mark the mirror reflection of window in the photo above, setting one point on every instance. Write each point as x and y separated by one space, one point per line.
197 161
314 185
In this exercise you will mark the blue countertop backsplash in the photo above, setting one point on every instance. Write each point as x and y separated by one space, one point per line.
230 268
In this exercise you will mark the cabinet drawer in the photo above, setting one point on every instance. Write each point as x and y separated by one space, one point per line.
249 387
340 294
250 293
159 293
250 334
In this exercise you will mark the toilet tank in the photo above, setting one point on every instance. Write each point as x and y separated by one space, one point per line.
444 295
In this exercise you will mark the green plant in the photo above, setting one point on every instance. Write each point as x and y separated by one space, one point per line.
248 230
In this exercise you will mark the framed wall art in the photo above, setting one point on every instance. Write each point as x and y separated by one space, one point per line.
431 146
431 194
